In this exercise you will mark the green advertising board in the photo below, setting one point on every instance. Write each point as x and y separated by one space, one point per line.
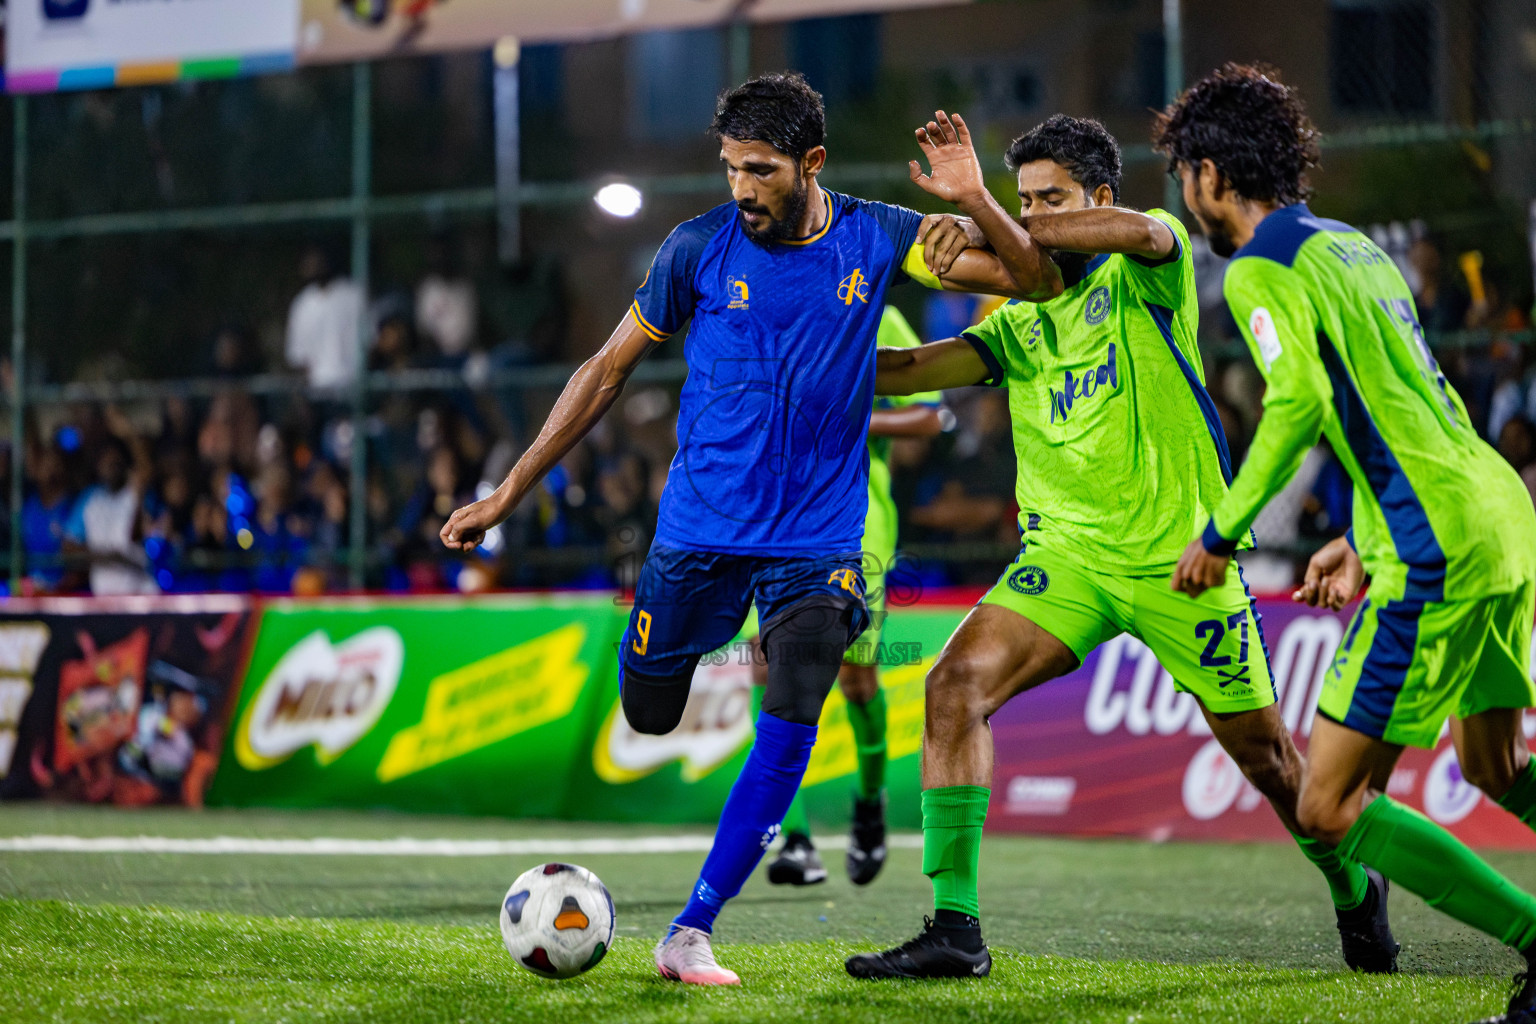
509 706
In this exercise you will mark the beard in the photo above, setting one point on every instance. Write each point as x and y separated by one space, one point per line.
781 228
1219 240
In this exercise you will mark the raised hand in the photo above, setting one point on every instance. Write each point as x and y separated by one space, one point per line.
954 172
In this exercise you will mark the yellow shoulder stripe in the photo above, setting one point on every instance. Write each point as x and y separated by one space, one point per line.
917 270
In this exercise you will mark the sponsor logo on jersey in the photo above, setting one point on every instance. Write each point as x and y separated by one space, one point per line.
739 292
854 286
1040 794
1261 324
1097 306
1033 335
1029 579
1086 386
1448 797
321 694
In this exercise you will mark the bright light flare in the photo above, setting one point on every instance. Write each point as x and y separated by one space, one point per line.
619 199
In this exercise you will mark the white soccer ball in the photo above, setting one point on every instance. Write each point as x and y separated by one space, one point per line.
557 920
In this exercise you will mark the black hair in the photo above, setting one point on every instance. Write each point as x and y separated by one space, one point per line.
780 109
1080 144
1251 126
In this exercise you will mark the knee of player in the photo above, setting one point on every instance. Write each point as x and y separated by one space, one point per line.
955 690
1494 776
1324 820
654 707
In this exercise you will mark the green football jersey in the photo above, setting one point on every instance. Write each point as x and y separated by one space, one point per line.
1438 515
1121 455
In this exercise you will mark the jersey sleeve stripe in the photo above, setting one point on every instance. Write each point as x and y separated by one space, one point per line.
995 376
1163 317
651 332
1407 522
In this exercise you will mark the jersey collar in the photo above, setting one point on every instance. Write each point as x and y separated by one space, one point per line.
825 227
1088 270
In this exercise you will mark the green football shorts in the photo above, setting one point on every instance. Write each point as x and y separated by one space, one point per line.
1211 645
1405 666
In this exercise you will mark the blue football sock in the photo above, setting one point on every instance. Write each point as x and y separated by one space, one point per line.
751 816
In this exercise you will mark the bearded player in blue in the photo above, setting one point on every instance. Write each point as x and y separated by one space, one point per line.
766 498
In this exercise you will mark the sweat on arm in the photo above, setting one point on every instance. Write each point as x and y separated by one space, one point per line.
1275 315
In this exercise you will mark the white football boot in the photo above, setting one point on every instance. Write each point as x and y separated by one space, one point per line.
685 956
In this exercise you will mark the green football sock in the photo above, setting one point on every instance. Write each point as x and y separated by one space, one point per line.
1428 861
952 820
868 722
1347 883
1521 798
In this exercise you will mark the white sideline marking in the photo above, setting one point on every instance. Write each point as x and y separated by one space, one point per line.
401 847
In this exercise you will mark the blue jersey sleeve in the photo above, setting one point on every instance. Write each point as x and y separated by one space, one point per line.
899 223
667 296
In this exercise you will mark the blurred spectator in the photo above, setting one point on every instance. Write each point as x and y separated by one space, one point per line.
233 354
105 522
627 516
415 534
45 514
1441 307
1517 443
323 322
447 310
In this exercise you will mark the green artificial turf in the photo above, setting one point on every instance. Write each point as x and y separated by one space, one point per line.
1080 931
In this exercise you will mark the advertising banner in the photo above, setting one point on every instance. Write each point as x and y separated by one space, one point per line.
117 702
510 706
450 706
368 29
94 44
1115 749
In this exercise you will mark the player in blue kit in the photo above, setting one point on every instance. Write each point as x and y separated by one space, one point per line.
766 498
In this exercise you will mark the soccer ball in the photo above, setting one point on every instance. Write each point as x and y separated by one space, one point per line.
557 920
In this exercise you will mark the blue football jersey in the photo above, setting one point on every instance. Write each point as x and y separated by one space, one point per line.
774 415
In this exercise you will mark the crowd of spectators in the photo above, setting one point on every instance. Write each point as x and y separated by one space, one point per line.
246 491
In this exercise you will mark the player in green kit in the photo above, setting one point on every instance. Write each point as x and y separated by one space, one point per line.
798 863
1443 526
1120 457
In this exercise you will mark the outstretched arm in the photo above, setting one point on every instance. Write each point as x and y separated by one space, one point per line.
909 421
587 396
955 176
952 363
1103 229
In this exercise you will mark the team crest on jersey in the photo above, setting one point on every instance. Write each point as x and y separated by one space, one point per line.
1097 307
854 286
1029 579
739 292
1033 335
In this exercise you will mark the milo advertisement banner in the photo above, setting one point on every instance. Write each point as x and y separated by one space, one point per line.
451 706
509 706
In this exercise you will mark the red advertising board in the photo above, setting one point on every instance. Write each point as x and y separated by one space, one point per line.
1115 749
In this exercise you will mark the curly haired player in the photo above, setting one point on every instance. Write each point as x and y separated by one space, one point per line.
1443 526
